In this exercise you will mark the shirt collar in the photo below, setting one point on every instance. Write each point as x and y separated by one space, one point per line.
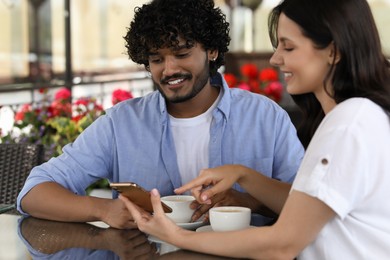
225 102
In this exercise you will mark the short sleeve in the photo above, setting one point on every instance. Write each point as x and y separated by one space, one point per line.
334 168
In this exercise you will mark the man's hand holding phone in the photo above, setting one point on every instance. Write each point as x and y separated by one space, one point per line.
137 195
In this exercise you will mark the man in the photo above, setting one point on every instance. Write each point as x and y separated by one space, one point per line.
164 139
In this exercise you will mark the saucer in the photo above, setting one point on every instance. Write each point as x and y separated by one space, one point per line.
209 229
191 225
155 239
163 246
204 229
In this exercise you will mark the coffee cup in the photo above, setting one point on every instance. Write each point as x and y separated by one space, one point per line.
229 218
180 204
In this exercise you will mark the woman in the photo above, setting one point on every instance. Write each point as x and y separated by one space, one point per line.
329 52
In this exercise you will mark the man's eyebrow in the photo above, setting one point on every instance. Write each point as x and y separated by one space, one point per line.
174 48
183 46
151 53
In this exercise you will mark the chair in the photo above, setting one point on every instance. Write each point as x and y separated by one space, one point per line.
16 162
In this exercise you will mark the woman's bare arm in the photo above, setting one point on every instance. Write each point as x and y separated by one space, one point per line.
300 221
270 192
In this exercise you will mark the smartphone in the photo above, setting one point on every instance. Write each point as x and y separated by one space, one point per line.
137 195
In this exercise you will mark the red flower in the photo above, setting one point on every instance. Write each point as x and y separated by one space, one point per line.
266 82
268 74
43 90
81 101
231 80
77 118
62 93
120 95
20 114
274 90
98 107
244 86
254 85
249 71
61 108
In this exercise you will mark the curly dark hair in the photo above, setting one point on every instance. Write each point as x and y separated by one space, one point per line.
159 24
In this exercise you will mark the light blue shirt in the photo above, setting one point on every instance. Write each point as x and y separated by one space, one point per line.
133 142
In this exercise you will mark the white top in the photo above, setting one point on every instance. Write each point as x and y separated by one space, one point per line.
191 137
347 166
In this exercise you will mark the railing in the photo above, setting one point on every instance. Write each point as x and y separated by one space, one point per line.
13 96
100 87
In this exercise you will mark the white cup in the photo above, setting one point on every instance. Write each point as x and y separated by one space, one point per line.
180 204
229 218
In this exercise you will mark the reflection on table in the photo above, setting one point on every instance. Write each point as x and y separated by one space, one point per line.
32 238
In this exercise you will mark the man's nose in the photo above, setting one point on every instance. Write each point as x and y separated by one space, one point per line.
170 66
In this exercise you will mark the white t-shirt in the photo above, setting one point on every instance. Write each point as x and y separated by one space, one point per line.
347 166
191 137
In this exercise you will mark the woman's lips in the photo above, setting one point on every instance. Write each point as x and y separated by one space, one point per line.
287 76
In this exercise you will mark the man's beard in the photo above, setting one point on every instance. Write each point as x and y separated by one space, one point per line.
199 84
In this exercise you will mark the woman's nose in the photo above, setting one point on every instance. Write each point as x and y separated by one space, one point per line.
276 59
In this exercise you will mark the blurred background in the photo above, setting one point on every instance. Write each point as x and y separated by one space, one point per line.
79 45
63 62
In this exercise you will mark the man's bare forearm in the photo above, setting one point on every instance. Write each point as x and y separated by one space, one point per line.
50 200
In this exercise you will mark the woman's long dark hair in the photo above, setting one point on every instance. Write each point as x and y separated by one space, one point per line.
362 71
